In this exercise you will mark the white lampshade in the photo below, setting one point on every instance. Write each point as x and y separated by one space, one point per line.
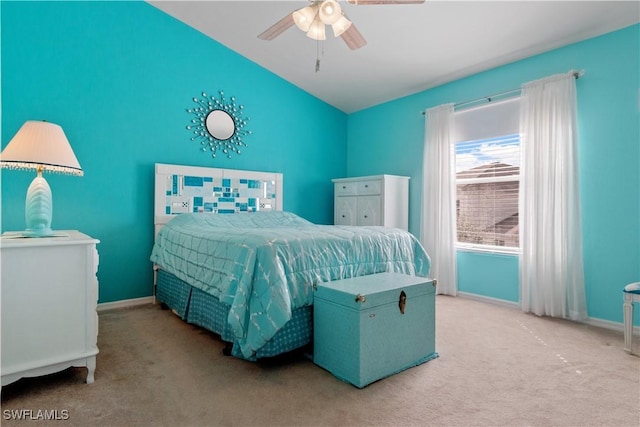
316 31
330 11
340 26
304 17
40 145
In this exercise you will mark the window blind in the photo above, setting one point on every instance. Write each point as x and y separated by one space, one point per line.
487 156
487 181
490 120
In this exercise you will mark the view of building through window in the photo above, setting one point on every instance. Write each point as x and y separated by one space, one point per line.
487 181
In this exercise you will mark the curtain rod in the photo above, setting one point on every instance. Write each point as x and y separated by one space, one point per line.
489 98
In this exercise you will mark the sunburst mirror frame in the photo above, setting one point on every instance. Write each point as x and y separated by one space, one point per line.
218 124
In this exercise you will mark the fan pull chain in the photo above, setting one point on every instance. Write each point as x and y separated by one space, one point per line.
319 53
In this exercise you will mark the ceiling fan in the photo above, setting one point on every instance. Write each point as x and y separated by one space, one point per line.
312 20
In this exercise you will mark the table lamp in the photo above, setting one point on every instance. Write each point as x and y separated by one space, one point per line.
40 146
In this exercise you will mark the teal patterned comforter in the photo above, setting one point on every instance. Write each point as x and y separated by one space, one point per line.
264 264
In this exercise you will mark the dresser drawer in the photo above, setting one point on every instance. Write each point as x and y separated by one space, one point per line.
346 188
368 187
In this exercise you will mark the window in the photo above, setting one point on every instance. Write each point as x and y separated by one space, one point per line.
487 181
487 157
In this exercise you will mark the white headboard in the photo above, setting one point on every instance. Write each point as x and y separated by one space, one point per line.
181 189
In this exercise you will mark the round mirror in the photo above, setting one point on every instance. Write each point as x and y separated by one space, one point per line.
220 125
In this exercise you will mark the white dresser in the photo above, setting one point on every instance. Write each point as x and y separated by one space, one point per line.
372 200
49 299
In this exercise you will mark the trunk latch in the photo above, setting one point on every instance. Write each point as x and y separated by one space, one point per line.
402 302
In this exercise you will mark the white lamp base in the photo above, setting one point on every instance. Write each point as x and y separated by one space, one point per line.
38 208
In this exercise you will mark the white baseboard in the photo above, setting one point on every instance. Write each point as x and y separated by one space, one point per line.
591 321
607 324
495 301
124 303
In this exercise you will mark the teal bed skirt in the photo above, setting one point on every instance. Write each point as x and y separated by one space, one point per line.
199 308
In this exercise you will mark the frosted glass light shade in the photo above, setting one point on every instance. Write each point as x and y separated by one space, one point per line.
304 17
340 26
330 11
41 146
316 31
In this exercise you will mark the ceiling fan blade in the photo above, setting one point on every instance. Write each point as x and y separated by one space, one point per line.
372 2
353 38
278 28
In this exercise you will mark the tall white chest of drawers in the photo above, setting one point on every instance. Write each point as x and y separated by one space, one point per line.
372 200
48 306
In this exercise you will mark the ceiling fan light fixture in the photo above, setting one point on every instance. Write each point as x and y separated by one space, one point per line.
330 12
304 17
340 26
316 31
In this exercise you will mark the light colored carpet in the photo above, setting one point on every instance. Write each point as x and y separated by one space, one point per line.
497 367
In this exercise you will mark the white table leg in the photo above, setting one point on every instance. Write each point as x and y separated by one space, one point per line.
628 321
91 369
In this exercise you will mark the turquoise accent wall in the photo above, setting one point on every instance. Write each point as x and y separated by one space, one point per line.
388 138
490 275
118 77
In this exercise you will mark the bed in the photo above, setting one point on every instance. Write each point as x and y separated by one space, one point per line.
227 258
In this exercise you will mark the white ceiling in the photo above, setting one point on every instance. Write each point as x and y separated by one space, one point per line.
410 48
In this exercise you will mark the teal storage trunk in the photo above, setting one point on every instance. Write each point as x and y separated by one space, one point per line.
370 327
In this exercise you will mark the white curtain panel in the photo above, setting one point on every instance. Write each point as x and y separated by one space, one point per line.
551 265
438 220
